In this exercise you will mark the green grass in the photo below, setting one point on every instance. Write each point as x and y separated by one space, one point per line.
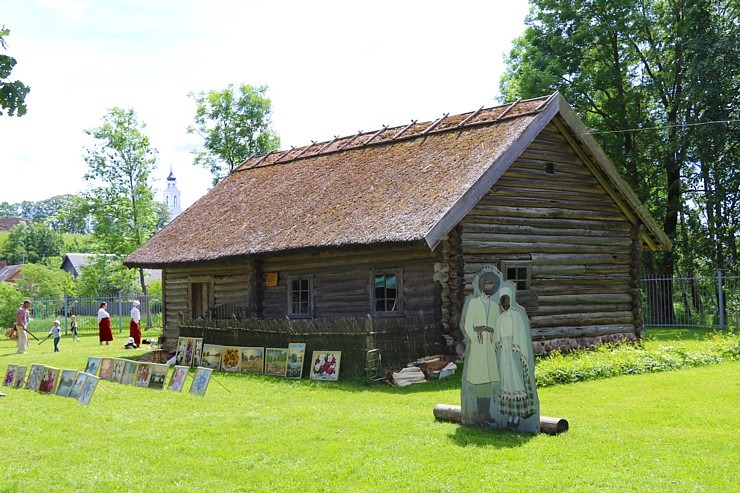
670 431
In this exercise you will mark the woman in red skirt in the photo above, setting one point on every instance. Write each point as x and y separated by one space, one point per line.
105 332
134 326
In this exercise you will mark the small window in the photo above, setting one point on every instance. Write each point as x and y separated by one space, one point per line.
386 293
300 299
174 201
518 273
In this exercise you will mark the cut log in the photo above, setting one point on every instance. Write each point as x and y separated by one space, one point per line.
453 414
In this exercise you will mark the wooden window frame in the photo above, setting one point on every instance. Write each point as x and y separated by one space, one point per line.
398 312
289 289
518 264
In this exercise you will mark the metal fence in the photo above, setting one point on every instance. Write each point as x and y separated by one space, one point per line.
44 312
692 301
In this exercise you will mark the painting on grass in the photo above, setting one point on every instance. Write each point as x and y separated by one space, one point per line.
159 375
211 356
296 354
276 361
143 374
231 358
74 393
200 381
253 359
93 364
49 380
34 377
106 368
87 390
129 372
10 375
178 378
181 356
66 381
325 365
198 352
20 376
117 373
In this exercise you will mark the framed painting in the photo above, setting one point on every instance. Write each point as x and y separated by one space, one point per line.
87 390
20 376
74 393
200 381
34 377
143 374
129 372
325 365
159 375
231 358
66 380
93 364
276 361
253 359
211 356
296 354
49 380
10 375
178 378
106 368
117 372
182 343
198 352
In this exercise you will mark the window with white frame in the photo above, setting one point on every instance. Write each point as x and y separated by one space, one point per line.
300 297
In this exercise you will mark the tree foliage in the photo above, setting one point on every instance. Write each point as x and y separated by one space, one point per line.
652 78
235 123
64 213
12 92
10 298
106 275
32 243
44 282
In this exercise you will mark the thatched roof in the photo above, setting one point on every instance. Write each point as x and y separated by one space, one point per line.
392 185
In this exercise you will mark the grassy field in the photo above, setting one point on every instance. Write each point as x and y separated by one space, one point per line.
672 431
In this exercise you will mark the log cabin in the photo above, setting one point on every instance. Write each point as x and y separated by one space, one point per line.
395 223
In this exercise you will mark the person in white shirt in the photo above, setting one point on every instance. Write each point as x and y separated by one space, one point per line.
105 332
135 324
56 331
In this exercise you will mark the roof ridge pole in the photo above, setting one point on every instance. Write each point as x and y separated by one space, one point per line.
546 101
385 127
437 122
359 132
470 117
507 110
403 130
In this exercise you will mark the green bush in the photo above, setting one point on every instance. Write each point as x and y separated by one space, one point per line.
10 298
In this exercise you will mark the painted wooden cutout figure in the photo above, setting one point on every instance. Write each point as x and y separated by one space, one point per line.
498 377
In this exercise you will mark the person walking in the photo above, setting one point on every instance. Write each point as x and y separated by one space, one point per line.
56 331
105 332
135 324
21 326
73 328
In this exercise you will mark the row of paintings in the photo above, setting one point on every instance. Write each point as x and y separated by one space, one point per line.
148 375
46 379
283 362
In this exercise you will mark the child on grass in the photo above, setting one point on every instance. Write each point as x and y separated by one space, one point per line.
73 328
56 331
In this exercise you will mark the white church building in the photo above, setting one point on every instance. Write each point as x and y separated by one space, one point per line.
172 196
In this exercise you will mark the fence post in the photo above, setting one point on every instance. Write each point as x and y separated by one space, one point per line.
721 299
120 312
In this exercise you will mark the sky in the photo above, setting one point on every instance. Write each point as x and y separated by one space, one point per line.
332 68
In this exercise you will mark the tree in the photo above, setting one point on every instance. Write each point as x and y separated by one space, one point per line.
12 93
43 282
106 275
32 243
10 298
235 123
122 202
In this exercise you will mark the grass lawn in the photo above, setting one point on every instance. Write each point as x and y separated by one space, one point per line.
672 431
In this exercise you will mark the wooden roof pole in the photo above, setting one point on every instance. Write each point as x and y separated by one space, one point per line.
437 122
470 117
403 130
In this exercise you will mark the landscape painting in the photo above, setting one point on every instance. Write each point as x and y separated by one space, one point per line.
106 368
253 359
325 365
211 357
93 364
296 354
79 382
129 373
66 380
276 361
158 377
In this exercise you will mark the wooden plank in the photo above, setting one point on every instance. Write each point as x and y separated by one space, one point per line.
581 331
581 317
532 248
604 241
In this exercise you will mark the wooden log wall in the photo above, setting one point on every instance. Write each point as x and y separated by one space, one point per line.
550 211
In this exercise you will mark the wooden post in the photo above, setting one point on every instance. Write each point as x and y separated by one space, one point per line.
453 414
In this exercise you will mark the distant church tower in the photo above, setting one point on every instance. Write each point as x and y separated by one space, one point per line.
172 196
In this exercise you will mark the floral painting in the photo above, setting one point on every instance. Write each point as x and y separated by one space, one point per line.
10 375
296 354
178 378
159 375
129 372
49 380
93 364
211 357
20 375
143 374
34 377
253 359
325 365
200 381
276 361
230 360
106 368
66 380
74 393
87 390
117 372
